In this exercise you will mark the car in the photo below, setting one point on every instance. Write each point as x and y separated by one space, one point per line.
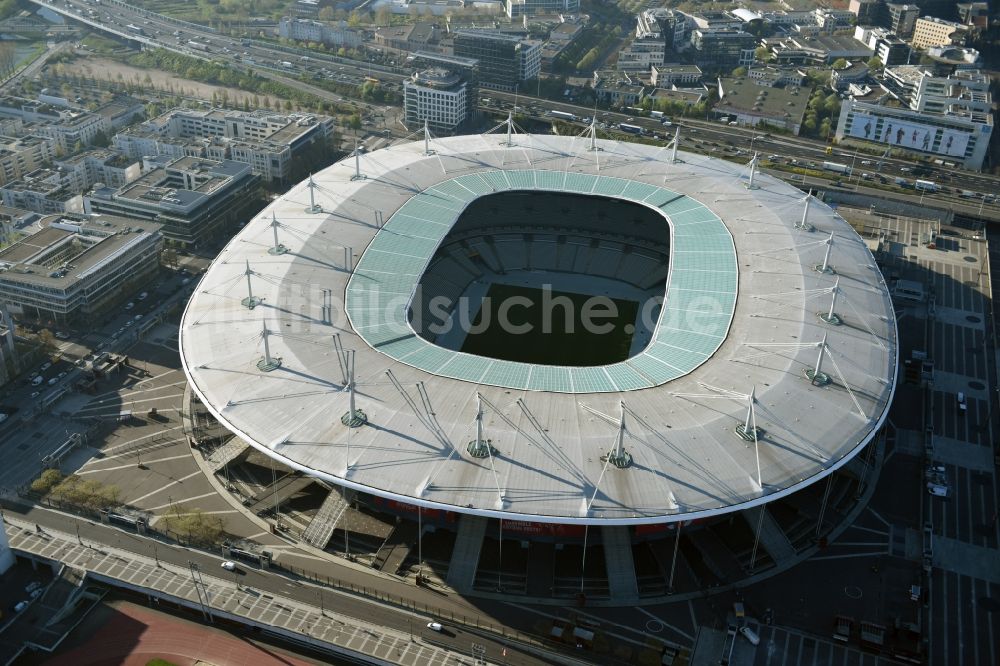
129 323
963 406
62 374
20 606
435 626
46 366
137 317
52 382
36 593
229 565
143 296
129 305
62 336
32 586
750 635
35 394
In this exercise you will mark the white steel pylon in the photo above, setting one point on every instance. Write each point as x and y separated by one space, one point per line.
816 374
748 430
618 456
825 266
278 248
480 447
677 143
753 171
250 301
268 363
357 164
803 224
427 139
510 130
831 317
354 418
313 208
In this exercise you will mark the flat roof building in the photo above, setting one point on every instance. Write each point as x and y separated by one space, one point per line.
930 31
519 8
504 60
949 116
77 266
270 143
196 200
42 191
437 96
749 104
22 155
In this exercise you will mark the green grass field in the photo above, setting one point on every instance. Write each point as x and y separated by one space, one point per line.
552 343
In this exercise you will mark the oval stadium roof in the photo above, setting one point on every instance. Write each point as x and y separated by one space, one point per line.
684 408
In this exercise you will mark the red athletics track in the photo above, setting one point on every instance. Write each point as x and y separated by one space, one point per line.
132 635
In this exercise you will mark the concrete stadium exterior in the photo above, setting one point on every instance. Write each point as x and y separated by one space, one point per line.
322 279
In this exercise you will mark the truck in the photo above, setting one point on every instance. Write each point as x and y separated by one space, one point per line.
631 129
837 168
925 185
562 115
198 46
285 64
656 114
136 29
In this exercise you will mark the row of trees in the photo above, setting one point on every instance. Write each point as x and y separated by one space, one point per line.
86 494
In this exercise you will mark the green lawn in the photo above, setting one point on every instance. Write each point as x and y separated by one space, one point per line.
549 341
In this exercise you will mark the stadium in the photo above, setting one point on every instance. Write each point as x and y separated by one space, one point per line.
561 341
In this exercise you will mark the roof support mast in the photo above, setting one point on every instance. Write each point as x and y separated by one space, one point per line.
313 208
831 317
250 301
278 247
479 447
618 456
825 266
268 363
677 143
357 164
816 374
804 223
354 418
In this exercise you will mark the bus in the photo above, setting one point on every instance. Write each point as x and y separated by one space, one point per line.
837 168
134 28
925 185
631 129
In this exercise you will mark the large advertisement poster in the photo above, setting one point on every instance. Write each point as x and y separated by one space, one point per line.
912 136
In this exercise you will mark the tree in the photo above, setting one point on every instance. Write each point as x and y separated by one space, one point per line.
874 63
354 122
383 15
739 72
326 14
8 58
762 54
47 340
840 63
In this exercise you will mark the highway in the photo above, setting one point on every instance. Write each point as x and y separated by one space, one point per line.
285 64
727 141
134 551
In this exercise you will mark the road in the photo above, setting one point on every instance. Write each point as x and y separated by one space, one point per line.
725 140
124 546
51 49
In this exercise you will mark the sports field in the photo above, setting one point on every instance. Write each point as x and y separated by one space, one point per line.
532 325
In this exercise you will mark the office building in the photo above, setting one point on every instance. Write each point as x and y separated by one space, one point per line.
751 105
949 116
307 30
437 96
665 24
77 267
618 88
975 14
504 60
42 191
196 200
675 74
868 12
641 54
723 48
100 166
929 31
67 127
519 8
902 19
271 143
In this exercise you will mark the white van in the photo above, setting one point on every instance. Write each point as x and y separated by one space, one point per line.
750 635
37 380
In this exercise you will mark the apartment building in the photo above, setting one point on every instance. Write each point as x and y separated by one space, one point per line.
42 191
22 155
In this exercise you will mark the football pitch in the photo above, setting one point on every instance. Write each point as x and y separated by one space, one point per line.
528 325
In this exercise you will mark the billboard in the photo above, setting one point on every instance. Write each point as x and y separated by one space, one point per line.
909 135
